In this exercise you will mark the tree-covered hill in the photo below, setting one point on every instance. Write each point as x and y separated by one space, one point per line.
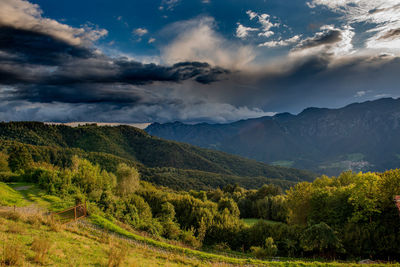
158 157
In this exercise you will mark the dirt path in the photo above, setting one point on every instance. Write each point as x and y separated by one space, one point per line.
27 210
25 187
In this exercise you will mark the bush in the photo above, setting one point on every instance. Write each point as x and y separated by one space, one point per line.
171 229
8 177
188 238
223 246
270 247
258 252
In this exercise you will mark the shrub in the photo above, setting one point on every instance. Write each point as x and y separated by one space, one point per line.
8 177
270 248
188 238
223 246
171 229
258 252
41 247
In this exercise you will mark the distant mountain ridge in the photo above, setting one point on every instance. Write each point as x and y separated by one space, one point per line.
360 136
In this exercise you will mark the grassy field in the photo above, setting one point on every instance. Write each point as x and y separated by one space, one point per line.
26 243
25 194
29 238
10 197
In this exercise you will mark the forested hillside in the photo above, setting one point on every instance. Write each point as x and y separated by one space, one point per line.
169 163
359 137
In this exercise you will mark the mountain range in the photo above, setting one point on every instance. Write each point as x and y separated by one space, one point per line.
359 137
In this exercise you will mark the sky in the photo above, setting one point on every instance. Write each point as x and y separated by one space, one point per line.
193 60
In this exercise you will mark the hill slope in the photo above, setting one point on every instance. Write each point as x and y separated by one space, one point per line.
361 136
135 145
30 238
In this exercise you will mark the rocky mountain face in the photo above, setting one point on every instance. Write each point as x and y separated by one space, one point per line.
360 137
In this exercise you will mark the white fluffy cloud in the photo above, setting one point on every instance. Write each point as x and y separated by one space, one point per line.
382 16
140 32
330 40
168 4
23 15
279 43
198 41
243 31
265 24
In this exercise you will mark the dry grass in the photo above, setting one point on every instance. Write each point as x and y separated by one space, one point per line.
10 215
41 247
36 219
15 228
55 225
117 254
104 237
13 254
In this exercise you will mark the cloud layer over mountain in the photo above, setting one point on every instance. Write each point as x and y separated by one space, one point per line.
52 71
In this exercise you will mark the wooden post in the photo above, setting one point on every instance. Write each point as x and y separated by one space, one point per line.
397 202
75 213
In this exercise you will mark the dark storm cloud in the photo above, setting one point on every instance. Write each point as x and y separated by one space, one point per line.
43 68
29 47
328 37
77 93
326 81
52 71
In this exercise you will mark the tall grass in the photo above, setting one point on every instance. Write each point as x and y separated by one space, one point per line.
117 254
41 247
12 253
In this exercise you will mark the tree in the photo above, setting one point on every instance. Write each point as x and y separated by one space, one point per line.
365 197
19 158
127 179
268 190
298 198
230 205
322 239
4 162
